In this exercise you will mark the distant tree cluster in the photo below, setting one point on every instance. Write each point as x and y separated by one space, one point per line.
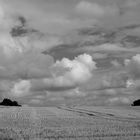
136 103
8 102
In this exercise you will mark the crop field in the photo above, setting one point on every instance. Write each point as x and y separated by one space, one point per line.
64 123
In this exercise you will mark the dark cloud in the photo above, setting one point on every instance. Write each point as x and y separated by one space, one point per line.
21 29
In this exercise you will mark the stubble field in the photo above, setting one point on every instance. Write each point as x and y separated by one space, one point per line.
65 123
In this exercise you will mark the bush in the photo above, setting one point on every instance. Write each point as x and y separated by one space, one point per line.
8 102
136 103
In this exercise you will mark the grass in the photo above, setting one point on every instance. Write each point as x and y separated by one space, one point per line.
52 123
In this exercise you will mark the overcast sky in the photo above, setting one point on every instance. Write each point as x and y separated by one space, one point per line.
58 16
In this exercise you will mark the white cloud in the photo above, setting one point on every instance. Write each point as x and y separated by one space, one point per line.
21 88
74 73
126 62
78 70
115 63
95 9
133 66
136 58
90 8
130 83
67 74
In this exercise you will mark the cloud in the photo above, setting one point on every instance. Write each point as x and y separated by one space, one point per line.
2 14
90 8
110 91
133 84
21 55
133 66
21 40
17 36
54 20
131 3
75 93
26 72
99 55
39 97
78 70
115 63
66 75
21 88
35 102
70 51
95 9
27 66
118 100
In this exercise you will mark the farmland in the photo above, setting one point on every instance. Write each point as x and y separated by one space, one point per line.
65 123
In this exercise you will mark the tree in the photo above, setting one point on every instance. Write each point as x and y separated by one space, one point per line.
8 102
136 103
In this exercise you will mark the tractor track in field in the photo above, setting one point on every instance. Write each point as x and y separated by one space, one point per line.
112 136
97 114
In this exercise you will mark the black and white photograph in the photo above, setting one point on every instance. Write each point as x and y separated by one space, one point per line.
69 69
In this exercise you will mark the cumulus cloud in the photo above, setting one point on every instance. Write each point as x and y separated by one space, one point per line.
130 83
78 70
70 75
95 9
133 69
133 66
133 84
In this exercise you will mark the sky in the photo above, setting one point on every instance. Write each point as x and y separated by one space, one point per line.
29 27
62 16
